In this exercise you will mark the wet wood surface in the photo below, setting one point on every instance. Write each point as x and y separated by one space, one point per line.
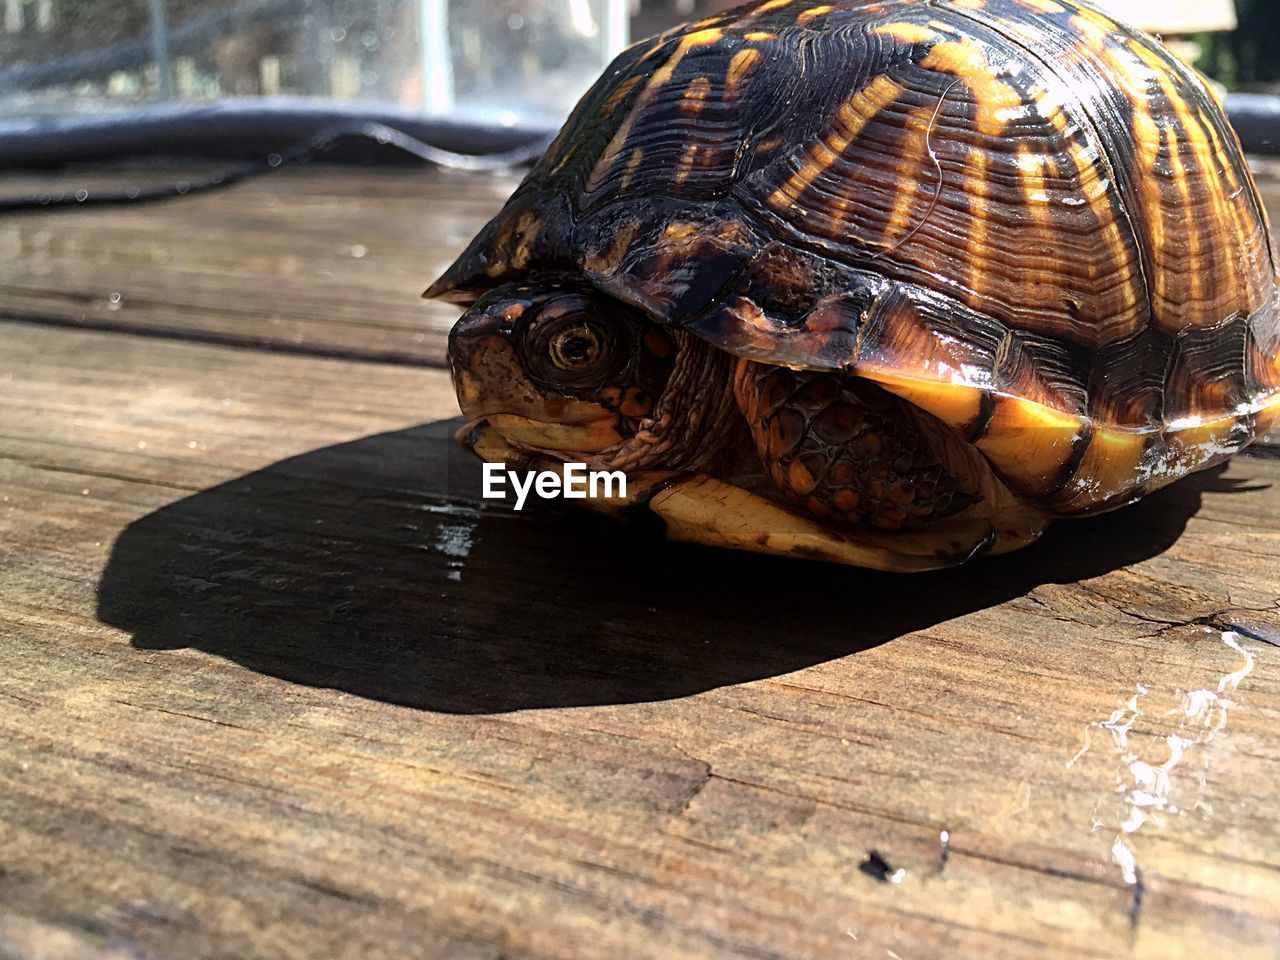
275 682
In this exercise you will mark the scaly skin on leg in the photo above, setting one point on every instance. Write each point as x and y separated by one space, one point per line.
873 470
843 449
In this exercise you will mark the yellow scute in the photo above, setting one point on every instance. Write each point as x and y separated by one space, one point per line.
1110 468
1029 443
955 404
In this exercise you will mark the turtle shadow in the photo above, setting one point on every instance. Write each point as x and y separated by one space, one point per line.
373 567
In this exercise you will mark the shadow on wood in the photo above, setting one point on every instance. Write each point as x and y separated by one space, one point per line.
373 567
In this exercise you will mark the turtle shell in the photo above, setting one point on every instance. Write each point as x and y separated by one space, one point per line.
1028 220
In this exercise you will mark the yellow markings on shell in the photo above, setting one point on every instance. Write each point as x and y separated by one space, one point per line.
1147 138
526 232
1034 178
1094 31
975 179
969 4
743 62
1235 204
1043 6
759 36
604 261
1109 468
617 96
514 240
633 164
657 80
956 404
622 91
1248 220
1208 149
994 99
858 110
700 38
906 32
852 117
1098 23
912 155
620 94
766 146
813 13
1210 173
685 166
1096 189
1196 276
1029 443
698 89
695 95
771 5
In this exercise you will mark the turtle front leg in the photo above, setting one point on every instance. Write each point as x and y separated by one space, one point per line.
842 448
872 467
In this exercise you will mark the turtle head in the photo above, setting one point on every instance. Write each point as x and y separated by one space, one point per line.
562 370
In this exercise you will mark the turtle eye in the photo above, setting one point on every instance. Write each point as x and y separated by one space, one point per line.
576 347
573 349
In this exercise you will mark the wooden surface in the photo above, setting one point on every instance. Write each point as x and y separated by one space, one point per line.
275 683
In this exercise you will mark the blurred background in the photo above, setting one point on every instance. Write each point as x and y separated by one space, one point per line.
499 62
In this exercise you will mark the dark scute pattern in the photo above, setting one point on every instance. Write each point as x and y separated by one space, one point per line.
918 331
932 131
1128 380
1264 338
825 337
664 257
1208 371
1193 208
1051 372
545 193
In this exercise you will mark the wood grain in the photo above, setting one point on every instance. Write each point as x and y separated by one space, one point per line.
310 260
275 682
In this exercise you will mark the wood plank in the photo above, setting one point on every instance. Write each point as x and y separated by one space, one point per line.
307 259
297 691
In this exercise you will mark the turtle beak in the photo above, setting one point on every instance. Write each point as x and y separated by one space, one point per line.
492 385
483 363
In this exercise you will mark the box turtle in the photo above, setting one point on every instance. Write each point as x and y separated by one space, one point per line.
892 284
